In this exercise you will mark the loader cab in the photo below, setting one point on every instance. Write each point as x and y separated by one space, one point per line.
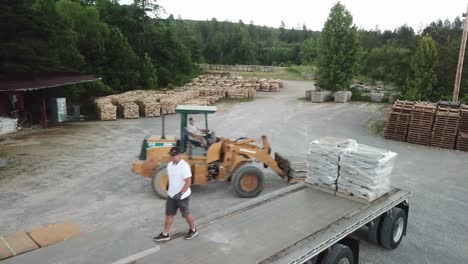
185 111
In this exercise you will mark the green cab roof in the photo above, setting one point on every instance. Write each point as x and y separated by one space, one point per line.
195 109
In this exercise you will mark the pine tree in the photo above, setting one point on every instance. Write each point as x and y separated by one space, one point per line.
424 66
337 50
148 73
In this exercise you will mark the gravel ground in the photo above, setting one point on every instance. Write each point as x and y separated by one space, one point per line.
81 172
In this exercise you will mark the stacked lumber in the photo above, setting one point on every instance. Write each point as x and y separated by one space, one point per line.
462 142
8 125
444 132
365 172
420 125
320 96
323 160
342 96
398 120
128 110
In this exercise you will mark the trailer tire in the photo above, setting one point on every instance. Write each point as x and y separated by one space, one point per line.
248 181
340 254
393 228
160 181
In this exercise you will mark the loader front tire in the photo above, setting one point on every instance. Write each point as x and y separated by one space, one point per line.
248 181
160 181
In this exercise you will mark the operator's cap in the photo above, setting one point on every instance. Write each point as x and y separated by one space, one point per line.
174 151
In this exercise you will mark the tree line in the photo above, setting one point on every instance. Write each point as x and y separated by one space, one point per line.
132 47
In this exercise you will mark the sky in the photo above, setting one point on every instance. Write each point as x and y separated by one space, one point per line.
367 14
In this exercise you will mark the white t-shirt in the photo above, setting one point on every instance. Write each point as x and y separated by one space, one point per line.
177 174
193 129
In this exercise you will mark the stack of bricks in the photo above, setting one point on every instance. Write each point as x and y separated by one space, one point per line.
398 120
444 132
462 143
420 125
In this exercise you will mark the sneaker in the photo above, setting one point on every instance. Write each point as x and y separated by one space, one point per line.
161 237
191 234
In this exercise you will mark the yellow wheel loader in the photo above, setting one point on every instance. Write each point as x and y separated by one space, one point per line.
222 160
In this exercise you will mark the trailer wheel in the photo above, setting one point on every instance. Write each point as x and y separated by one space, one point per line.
248 181
160 181
393 228
340 254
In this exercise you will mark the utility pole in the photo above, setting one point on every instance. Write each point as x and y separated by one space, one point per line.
461 56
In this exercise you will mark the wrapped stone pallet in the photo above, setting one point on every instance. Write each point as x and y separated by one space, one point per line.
342 96
323 158
106 111
365 172
320 96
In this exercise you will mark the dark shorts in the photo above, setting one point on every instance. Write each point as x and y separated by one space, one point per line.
172 206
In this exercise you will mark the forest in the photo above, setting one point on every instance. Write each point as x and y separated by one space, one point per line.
132 47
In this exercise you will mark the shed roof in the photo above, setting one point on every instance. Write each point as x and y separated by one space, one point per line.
44 81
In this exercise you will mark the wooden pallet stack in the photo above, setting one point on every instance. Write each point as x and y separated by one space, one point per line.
462 142
398 120
444 132
420 125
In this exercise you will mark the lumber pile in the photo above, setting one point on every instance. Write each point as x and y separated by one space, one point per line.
342 96
8 125
398 120
444 132
365 172
462 141
420 125
320 96
323 158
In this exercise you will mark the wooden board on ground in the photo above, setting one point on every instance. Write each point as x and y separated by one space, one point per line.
15 244
51 234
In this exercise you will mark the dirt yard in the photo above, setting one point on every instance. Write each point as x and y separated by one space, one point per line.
81 172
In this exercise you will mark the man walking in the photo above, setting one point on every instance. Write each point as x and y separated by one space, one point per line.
179 174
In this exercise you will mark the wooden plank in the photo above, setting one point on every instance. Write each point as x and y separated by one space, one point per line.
51 234
15 244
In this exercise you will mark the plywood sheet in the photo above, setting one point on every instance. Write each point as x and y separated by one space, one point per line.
51 234
16 244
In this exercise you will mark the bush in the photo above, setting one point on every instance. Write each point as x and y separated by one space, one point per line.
359 96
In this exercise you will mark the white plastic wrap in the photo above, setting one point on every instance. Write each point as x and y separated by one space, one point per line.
323 158
365 171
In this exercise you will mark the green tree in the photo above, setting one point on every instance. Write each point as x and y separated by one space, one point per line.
424 66
308 51
148 73
338 50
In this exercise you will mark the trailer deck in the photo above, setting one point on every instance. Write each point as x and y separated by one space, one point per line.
289 226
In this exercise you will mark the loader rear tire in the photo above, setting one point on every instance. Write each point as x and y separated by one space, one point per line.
248 181
160 181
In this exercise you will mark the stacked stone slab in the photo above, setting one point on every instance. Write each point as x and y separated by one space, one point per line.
342 96
128 110
149 108
105 110
323 160
377 96
365 172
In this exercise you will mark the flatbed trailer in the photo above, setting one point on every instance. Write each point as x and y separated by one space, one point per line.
298 224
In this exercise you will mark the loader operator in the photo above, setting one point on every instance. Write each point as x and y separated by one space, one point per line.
194 135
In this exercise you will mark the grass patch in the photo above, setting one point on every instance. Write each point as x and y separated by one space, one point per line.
234 100
299 73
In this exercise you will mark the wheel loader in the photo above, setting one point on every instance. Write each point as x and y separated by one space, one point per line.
222 160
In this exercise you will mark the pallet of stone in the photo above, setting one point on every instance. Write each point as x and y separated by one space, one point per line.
252 92
128 110
274 87
308 94
168 105
238 93
421 123
149 108
342 96
298 170
377 96
106 111
320 96
462 141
